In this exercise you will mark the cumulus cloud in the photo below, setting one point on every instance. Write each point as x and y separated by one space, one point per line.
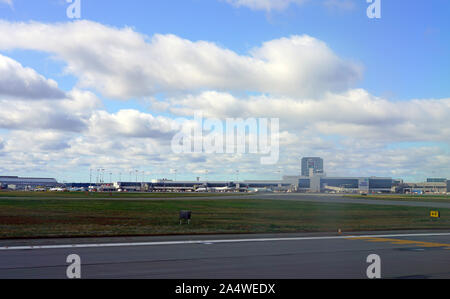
31 102
415 162
354 113
122 63
23 116
39 123
25 83
298 79
267 5
69 114
132 123
38 141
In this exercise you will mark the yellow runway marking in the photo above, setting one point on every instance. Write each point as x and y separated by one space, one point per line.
402 242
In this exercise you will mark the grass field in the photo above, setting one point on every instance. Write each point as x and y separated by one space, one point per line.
46 217
401 197
106 195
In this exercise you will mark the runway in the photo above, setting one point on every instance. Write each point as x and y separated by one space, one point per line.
303 197
321 198
333 198
293 256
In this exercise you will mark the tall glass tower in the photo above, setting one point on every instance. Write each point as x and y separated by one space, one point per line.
314 163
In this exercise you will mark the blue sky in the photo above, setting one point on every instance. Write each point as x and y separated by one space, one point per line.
403 56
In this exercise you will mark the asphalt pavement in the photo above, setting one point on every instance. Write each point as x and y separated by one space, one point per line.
294 256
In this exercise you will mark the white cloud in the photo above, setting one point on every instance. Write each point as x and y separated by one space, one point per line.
305 84
25 83
412 163
131 123
122 63
70 114
37 141
30 101
355 114
267 5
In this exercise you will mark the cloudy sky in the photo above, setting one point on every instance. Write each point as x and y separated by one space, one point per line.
370 96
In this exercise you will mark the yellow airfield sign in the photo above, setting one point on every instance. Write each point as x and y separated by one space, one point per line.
435 214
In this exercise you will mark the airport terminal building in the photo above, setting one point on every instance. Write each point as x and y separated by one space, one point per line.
19 183
431 186
312 165
313 179
345 184
206 186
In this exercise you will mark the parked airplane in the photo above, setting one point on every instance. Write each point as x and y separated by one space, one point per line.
75 189
223 189
58 189
260 190
215 189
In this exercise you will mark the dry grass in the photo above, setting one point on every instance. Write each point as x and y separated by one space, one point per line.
25 218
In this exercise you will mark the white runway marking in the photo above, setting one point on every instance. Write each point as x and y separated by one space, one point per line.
210 242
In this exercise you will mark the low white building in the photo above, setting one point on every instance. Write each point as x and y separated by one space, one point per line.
21 183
